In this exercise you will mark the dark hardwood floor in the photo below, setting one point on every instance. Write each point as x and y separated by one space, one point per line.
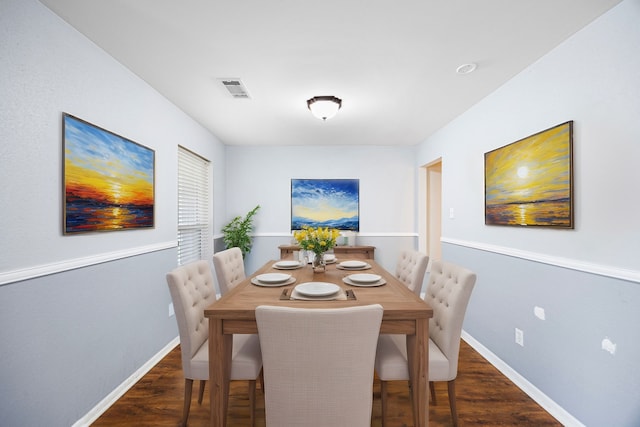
484 396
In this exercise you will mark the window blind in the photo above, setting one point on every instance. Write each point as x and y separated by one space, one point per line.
193 207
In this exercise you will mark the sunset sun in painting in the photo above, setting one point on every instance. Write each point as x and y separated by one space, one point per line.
108 180
529 182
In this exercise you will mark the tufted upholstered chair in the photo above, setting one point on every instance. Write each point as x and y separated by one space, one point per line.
229 266
318 364
192 290
410 269
448 293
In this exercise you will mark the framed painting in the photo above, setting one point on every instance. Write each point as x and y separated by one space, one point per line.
530 182
108 180
333 203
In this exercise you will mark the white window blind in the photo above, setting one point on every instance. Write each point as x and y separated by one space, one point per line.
193 207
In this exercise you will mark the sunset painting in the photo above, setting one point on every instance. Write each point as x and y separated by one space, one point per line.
332 203
108 180
529 182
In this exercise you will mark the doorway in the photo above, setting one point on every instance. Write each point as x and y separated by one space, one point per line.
434 209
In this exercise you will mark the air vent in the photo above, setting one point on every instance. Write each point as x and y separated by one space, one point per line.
236 88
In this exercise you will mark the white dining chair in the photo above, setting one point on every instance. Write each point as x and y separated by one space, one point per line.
448 293
410 269
318 365
229 267
192 290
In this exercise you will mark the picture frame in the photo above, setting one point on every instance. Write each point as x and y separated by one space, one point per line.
108 180
529 183
333 203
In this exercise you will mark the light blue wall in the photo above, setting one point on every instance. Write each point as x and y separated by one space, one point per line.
78 314
588 279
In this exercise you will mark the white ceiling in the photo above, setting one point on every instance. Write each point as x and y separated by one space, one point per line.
392 62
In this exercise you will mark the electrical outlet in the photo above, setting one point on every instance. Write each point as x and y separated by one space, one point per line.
519 337
171 312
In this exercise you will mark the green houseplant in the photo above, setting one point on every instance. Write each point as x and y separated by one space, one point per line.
236 232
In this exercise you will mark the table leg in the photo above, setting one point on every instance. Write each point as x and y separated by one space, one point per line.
418 359
220 352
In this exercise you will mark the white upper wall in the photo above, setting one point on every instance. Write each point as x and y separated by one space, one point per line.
54 70
262 176
592 79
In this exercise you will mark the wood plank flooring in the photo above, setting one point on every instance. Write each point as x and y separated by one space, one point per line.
484 396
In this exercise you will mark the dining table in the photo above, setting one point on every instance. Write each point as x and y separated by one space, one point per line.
234 313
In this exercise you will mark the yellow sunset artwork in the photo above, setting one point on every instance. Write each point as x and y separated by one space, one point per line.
529 182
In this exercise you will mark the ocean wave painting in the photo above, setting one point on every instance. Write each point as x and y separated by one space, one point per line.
108 180
529 182
332 203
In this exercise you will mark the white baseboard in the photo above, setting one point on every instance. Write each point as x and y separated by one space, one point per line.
532 391
112 397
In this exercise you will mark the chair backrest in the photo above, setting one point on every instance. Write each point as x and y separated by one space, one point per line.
448 293
229 266
192 290
318 364
410 269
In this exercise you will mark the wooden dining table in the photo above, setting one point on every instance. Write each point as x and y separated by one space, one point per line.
234 313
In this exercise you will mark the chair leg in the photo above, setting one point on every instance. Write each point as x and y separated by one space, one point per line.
432 391
252 401
188 385
383 401
451 386
201 391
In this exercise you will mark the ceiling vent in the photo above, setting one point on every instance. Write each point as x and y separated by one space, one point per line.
236 88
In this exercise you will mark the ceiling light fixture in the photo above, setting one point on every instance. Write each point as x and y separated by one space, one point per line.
324 107
466 68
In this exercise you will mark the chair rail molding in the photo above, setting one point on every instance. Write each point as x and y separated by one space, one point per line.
573 264
12 276
358 233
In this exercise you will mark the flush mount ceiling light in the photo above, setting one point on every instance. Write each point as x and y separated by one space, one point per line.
466 68
324 107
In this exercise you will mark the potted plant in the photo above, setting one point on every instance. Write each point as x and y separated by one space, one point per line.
236 232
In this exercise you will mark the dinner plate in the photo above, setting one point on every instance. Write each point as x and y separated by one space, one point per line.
364 278
317 289
273 277
363 284
329 258
256 282
287 265
353 264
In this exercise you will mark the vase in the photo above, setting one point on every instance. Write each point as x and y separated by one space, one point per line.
318 263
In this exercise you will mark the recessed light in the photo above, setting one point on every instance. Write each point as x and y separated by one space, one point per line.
466 68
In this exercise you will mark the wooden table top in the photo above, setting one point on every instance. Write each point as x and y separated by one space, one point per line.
399 303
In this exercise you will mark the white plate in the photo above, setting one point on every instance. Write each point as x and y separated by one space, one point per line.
329 258
348 281
287 264
256 282
317 289
353 264
364 278
273 277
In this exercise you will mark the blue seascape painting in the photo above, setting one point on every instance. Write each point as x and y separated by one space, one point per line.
330 203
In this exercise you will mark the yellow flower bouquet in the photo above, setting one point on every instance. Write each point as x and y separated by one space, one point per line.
317 240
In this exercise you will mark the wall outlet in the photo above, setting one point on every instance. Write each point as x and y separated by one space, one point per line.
519 337
171 312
